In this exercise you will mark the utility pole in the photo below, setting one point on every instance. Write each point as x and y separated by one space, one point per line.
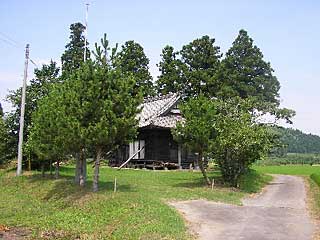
86 34
23 102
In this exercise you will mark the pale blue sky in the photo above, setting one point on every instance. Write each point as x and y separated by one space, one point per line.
286 31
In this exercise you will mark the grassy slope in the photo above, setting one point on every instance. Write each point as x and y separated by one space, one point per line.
315 190
316 178
137 211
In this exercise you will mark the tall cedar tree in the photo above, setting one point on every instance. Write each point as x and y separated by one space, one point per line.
244 73
1 110
194 73
202 59
171 79
132 60
74 54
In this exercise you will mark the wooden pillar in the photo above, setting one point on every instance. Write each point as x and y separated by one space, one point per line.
179 156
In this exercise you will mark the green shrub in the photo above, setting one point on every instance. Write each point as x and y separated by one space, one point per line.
253 181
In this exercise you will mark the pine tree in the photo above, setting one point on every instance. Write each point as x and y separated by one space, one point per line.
92 110
100 111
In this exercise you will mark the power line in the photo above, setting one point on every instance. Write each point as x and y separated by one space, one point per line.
10 39
10 43
13 44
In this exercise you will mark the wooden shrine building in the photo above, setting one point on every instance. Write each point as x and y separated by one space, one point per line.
155 147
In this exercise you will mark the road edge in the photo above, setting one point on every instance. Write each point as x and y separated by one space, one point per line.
312 209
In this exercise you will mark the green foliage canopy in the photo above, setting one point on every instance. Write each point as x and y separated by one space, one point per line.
244 73
190 71
5 153
74 54
225 130
39 87
198 132
241 140
92 109
131 59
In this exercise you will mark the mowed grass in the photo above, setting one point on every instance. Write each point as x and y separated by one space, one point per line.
304 170
57 209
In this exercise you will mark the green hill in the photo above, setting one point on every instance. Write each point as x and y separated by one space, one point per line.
296 141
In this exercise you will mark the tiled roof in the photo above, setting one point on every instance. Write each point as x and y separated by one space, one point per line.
169 121
156 112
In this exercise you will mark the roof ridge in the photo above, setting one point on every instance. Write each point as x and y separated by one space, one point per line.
159 97
166 107
157 106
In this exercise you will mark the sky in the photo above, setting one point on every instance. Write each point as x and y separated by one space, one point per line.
286 31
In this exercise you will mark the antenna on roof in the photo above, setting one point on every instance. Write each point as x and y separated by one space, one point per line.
86 34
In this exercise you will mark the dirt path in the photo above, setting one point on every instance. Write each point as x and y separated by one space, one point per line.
278 213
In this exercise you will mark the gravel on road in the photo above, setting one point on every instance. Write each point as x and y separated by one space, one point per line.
279 213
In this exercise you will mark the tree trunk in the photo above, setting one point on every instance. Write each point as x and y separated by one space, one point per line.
82 177
96 170
50 167
84 168
42 169
29 162
77 170
203 170
57 169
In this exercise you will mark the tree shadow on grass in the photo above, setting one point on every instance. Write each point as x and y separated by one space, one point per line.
65 189
195 183
200 183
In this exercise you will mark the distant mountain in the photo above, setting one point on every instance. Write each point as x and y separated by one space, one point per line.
298 142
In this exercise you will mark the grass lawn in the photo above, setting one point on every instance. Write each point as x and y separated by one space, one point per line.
305 170
57 209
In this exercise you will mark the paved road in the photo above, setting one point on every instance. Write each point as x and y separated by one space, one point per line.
278 213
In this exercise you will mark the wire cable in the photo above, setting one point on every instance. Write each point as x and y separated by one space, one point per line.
10 39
